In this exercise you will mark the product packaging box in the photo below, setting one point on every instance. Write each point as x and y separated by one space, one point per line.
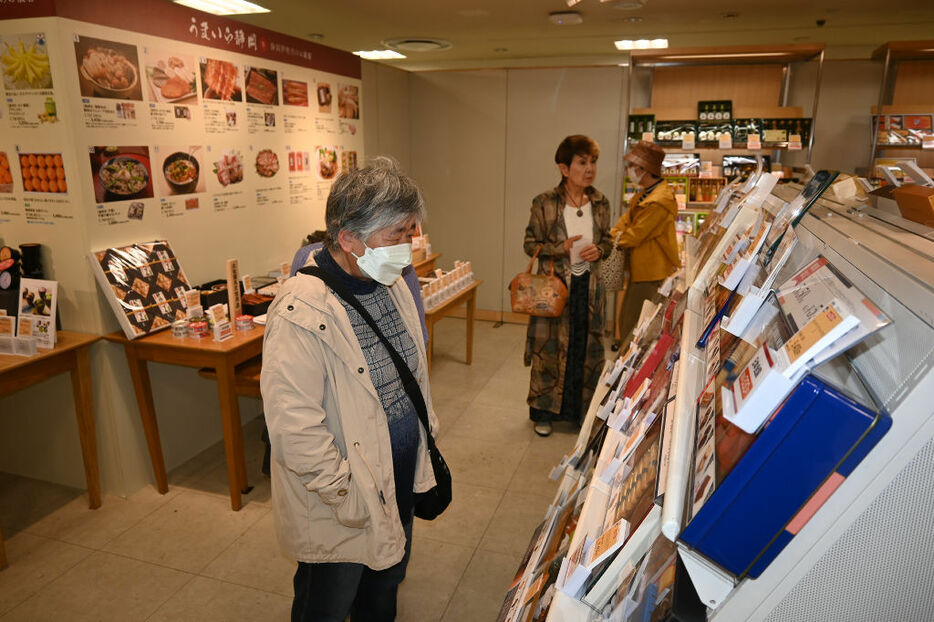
916 203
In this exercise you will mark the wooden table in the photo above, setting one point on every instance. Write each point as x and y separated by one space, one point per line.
469 296
71 354
223 356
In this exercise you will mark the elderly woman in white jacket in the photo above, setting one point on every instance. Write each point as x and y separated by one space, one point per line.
348 450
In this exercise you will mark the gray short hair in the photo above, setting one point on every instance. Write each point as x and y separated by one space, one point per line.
374 197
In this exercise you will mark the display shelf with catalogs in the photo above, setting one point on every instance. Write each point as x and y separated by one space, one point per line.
736 460
902 129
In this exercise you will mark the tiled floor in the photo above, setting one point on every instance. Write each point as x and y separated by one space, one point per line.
186 556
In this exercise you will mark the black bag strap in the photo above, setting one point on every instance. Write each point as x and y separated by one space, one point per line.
409 383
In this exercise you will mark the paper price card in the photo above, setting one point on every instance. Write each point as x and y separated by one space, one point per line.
753 141
794 142
648 137
725 141
927 142
688 141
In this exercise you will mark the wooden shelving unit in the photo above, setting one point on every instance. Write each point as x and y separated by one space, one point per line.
755 78
907 88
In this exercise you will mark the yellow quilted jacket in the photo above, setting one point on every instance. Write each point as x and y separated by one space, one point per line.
648 230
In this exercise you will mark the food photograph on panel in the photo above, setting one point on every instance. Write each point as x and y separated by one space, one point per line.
43 172
170 77
323 93
327 162
121 173
229 167
294 93
261 86
107 69
180 169
6 174
221 80
267 163
348 101
25 60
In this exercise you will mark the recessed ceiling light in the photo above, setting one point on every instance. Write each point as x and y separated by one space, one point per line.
565 18
223 7
632 19
641 44
572 2
627 5
417 44
379 54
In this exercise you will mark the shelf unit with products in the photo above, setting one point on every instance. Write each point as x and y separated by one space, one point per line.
778 507
902 128
709 101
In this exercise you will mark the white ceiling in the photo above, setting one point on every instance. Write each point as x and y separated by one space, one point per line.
504 33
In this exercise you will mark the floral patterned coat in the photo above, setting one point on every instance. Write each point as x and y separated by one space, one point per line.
546 344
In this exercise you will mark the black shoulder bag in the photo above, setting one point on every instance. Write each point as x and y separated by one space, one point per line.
428 505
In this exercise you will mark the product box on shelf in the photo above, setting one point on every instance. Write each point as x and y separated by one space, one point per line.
710 132
214 292
742 128
777 132
742 166
681 165
916 203
674 132
715 110
639 124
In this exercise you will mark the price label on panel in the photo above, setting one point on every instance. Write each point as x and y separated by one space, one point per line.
725 141
687 142
648 137
927 142
753 141
794 142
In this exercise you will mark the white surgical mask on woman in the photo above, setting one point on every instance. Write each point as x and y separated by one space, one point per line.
384 264
636 179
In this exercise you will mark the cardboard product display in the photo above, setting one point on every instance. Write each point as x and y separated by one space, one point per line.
916 203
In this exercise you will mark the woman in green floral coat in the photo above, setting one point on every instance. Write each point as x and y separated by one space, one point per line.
570 225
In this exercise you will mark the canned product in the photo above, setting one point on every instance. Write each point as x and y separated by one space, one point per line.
244 322
180 328
199 329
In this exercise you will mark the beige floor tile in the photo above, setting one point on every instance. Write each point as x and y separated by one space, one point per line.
488 422
254 560
77 524
214 481
34 562
448 411
531 476
103 587
482 462
431 578
186 533
27 500
466 518
480 593
507 388
204 600
511 527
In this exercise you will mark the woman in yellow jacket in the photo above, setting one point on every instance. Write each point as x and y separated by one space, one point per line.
647 229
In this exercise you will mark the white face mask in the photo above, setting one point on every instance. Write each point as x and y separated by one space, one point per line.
384 264
636 179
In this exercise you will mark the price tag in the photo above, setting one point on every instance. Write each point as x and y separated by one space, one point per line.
927 142
682 200
726 141
794 142
648 137
753 141
687 142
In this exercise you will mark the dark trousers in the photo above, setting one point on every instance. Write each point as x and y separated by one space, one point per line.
330 592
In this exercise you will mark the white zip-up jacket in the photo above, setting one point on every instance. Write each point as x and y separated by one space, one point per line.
333 490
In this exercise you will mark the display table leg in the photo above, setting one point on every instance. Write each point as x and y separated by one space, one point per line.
84 409
233 434
147 412
471 307
3 561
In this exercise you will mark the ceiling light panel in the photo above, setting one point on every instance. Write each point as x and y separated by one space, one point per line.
641 44
223 7
379 54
